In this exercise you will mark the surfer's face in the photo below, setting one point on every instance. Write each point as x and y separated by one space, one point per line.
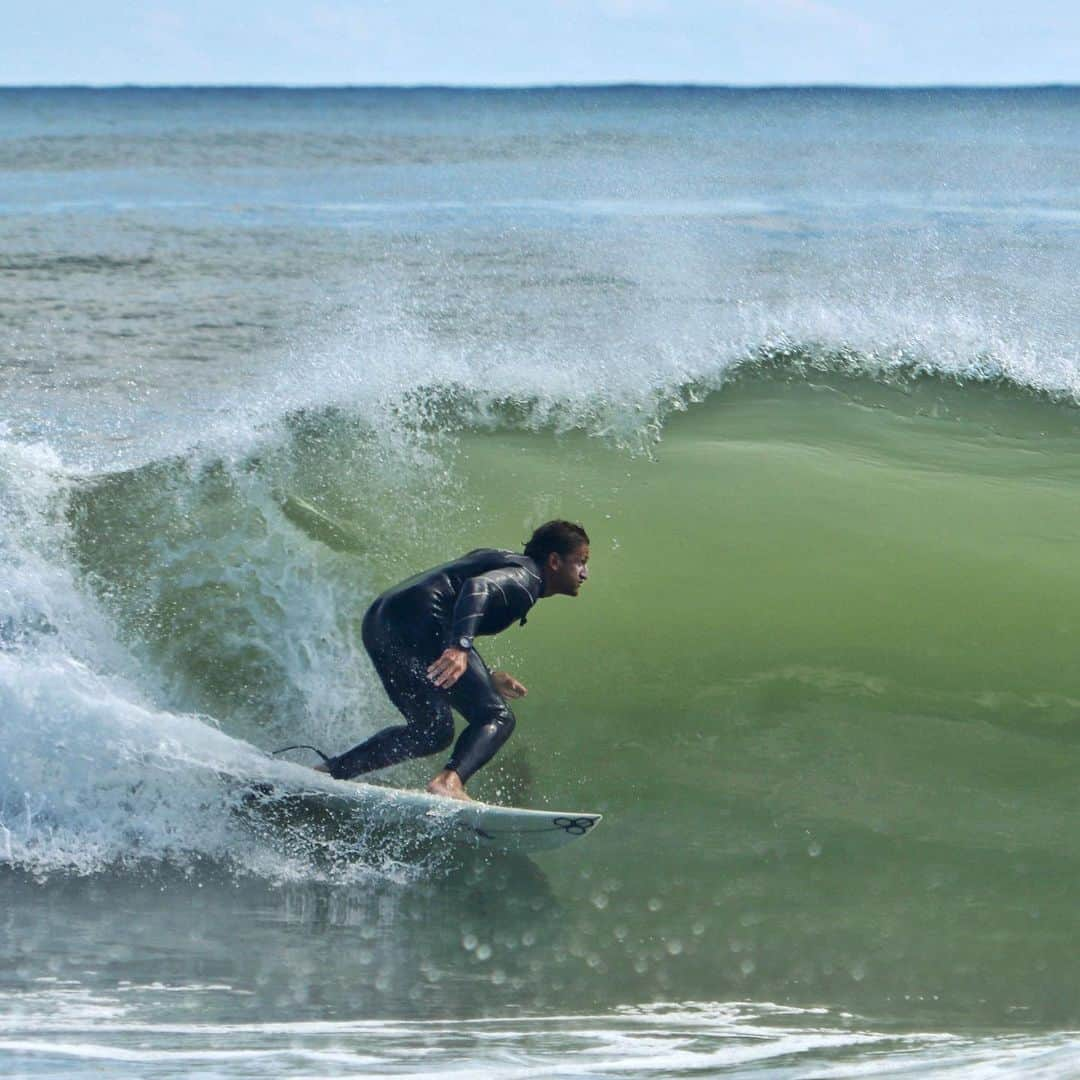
567 573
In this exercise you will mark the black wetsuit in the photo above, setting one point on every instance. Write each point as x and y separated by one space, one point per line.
409 626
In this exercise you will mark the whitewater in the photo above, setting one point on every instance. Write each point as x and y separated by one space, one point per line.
804 363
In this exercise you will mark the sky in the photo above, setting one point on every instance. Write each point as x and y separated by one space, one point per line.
540 42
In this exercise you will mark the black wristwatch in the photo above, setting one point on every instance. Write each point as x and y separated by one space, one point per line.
465 643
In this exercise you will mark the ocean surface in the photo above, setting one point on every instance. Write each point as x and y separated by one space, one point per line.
804 362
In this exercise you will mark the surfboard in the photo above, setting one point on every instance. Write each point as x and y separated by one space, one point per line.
320 526
356 807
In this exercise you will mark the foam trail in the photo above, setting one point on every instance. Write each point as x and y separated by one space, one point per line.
95 771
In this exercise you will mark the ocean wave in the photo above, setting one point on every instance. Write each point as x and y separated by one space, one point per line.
107 764
184 616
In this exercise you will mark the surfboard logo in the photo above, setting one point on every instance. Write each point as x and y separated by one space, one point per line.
575 826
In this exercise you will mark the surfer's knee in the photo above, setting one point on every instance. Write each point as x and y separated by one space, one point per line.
504 723
491 710
498 728
495 721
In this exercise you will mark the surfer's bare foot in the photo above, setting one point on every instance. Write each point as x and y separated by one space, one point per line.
449 785
321 767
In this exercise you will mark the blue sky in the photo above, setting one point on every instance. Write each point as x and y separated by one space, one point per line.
528 42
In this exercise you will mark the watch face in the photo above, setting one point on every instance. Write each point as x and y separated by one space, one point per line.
465 643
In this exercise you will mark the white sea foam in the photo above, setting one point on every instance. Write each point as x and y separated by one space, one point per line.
96 769
738 1039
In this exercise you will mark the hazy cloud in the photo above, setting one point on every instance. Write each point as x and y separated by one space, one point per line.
824 15
515 42
634 9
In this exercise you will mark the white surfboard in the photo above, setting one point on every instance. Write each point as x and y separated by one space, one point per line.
356 806
321 526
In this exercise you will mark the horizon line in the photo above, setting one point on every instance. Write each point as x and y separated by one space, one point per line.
474 87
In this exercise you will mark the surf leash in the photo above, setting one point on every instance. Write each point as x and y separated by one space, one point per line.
301 746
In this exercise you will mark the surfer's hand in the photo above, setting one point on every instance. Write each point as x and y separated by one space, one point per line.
448 668
507 685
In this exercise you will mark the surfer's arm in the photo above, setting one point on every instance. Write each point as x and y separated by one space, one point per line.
502 591
475 598
498 591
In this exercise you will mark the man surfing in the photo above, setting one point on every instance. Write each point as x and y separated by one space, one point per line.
420 637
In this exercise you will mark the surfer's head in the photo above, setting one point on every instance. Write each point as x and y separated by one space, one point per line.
561 550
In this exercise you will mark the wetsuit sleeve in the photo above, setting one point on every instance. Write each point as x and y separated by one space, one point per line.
502 592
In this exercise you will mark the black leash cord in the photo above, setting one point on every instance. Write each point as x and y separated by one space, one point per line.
301 746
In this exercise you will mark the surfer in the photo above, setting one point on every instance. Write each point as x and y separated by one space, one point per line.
420 637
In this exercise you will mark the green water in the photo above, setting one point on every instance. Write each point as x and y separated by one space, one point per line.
820 681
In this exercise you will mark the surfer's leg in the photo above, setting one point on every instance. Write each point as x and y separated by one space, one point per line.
429 726
491 722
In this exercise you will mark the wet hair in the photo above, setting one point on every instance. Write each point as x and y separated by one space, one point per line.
561 537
